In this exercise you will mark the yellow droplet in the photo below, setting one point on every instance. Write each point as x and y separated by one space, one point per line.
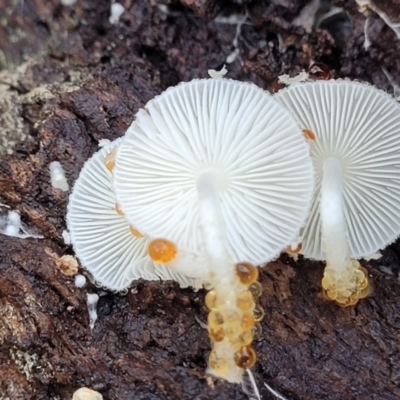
245 300
162 250
110 159
245 357
326 282
215 319
255 289
216 334
244 339
135 232
118 209
247 321
347 288
246 272
218 363
211 299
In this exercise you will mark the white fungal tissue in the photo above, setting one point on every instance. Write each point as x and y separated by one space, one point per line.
66 237
80 281
57 176
86 394
218 74
91 301
68 2
104 142
117 10
285 79
11 225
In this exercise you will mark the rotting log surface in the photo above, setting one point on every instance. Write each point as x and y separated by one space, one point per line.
71 78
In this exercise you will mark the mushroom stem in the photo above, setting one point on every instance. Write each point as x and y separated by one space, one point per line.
211 223
345 281
334 233
231 321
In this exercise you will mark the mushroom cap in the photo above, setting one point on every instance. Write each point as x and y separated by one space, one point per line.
101 237
360 126
251 143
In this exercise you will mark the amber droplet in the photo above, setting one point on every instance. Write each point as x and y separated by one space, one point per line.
118 209
244 339
218 363
245 300
247 273
215 319
245 357
256 289
247 321
258 313
311 136
135 232
162 250
211 299
216 334
319 71
110 160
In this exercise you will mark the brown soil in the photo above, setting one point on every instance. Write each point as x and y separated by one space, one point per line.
71 78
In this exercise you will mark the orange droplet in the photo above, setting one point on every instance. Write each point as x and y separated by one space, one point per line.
308 134
245 300
118 209
216 334
162 250
319 71
110 160
135 232
245 357
248 321
246 272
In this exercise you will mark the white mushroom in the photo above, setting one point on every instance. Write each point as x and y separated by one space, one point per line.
221 169
356 155
102 238
231 136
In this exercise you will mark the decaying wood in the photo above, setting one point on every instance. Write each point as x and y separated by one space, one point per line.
69 79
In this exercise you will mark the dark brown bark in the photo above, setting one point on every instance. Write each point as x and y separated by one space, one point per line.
82 79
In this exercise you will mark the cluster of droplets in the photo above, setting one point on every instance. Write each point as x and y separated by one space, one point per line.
233 322
346 287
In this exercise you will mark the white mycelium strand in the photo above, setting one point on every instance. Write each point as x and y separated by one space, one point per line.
235 128
102 238
359 126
